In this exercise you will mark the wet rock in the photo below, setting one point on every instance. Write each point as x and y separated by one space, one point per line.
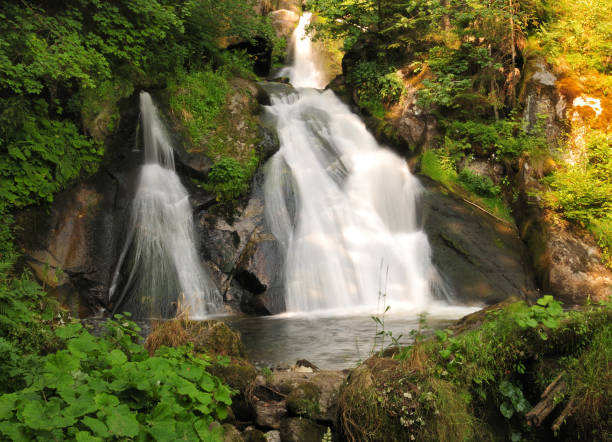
284 22
312 394
480 257
269 413
254 435
273 436
301 430
231 434
304 400
245 257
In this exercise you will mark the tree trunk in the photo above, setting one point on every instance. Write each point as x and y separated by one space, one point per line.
445 17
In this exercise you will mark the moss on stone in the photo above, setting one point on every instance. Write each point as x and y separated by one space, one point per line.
304 400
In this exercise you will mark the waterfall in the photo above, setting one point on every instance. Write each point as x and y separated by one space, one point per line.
351 231
159 263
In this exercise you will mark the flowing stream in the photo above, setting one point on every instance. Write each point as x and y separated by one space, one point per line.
159 272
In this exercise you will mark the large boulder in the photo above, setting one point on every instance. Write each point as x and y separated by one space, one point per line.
481 257
414 126
540 96
301 430
566 258
303 393
245 257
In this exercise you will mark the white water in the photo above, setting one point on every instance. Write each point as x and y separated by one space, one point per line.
159 260
355 233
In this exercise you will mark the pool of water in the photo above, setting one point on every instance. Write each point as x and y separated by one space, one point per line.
328 341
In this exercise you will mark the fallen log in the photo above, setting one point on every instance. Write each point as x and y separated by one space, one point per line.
567 412
543 408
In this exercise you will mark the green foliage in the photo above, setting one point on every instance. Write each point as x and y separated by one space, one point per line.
491 362
547 312
109 388
502 138
42 154
376 84
26 318
198 98
590 387
581 191
438 166
63 66
228 179
514 400
480 185
580 35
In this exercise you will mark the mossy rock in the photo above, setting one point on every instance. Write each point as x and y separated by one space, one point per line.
389 400
211 337
295 429
231 434
254 436
304 400
239 375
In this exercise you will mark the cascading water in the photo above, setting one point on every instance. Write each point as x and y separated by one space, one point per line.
159 262
355 233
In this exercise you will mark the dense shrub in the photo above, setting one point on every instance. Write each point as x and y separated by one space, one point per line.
109 388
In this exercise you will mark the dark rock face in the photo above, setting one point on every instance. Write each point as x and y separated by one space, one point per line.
540 96
74 247
480 257
245 257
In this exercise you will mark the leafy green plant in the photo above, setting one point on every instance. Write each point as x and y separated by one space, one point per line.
547 312
109 388
581 191
228 179
514 400
197 98
480 185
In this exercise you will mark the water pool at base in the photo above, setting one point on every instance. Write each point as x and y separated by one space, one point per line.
330 343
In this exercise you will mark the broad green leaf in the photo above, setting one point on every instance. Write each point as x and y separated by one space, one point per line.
7 405
123 424
222 394
83 344
34 416
69 331
162 430
97 426
82 406
86 436
105 402
202 428
445 353
506 410
14 431
117 357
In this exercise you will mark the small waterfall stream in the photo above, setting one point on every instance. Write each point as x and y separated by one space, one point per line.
159 272
352 231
